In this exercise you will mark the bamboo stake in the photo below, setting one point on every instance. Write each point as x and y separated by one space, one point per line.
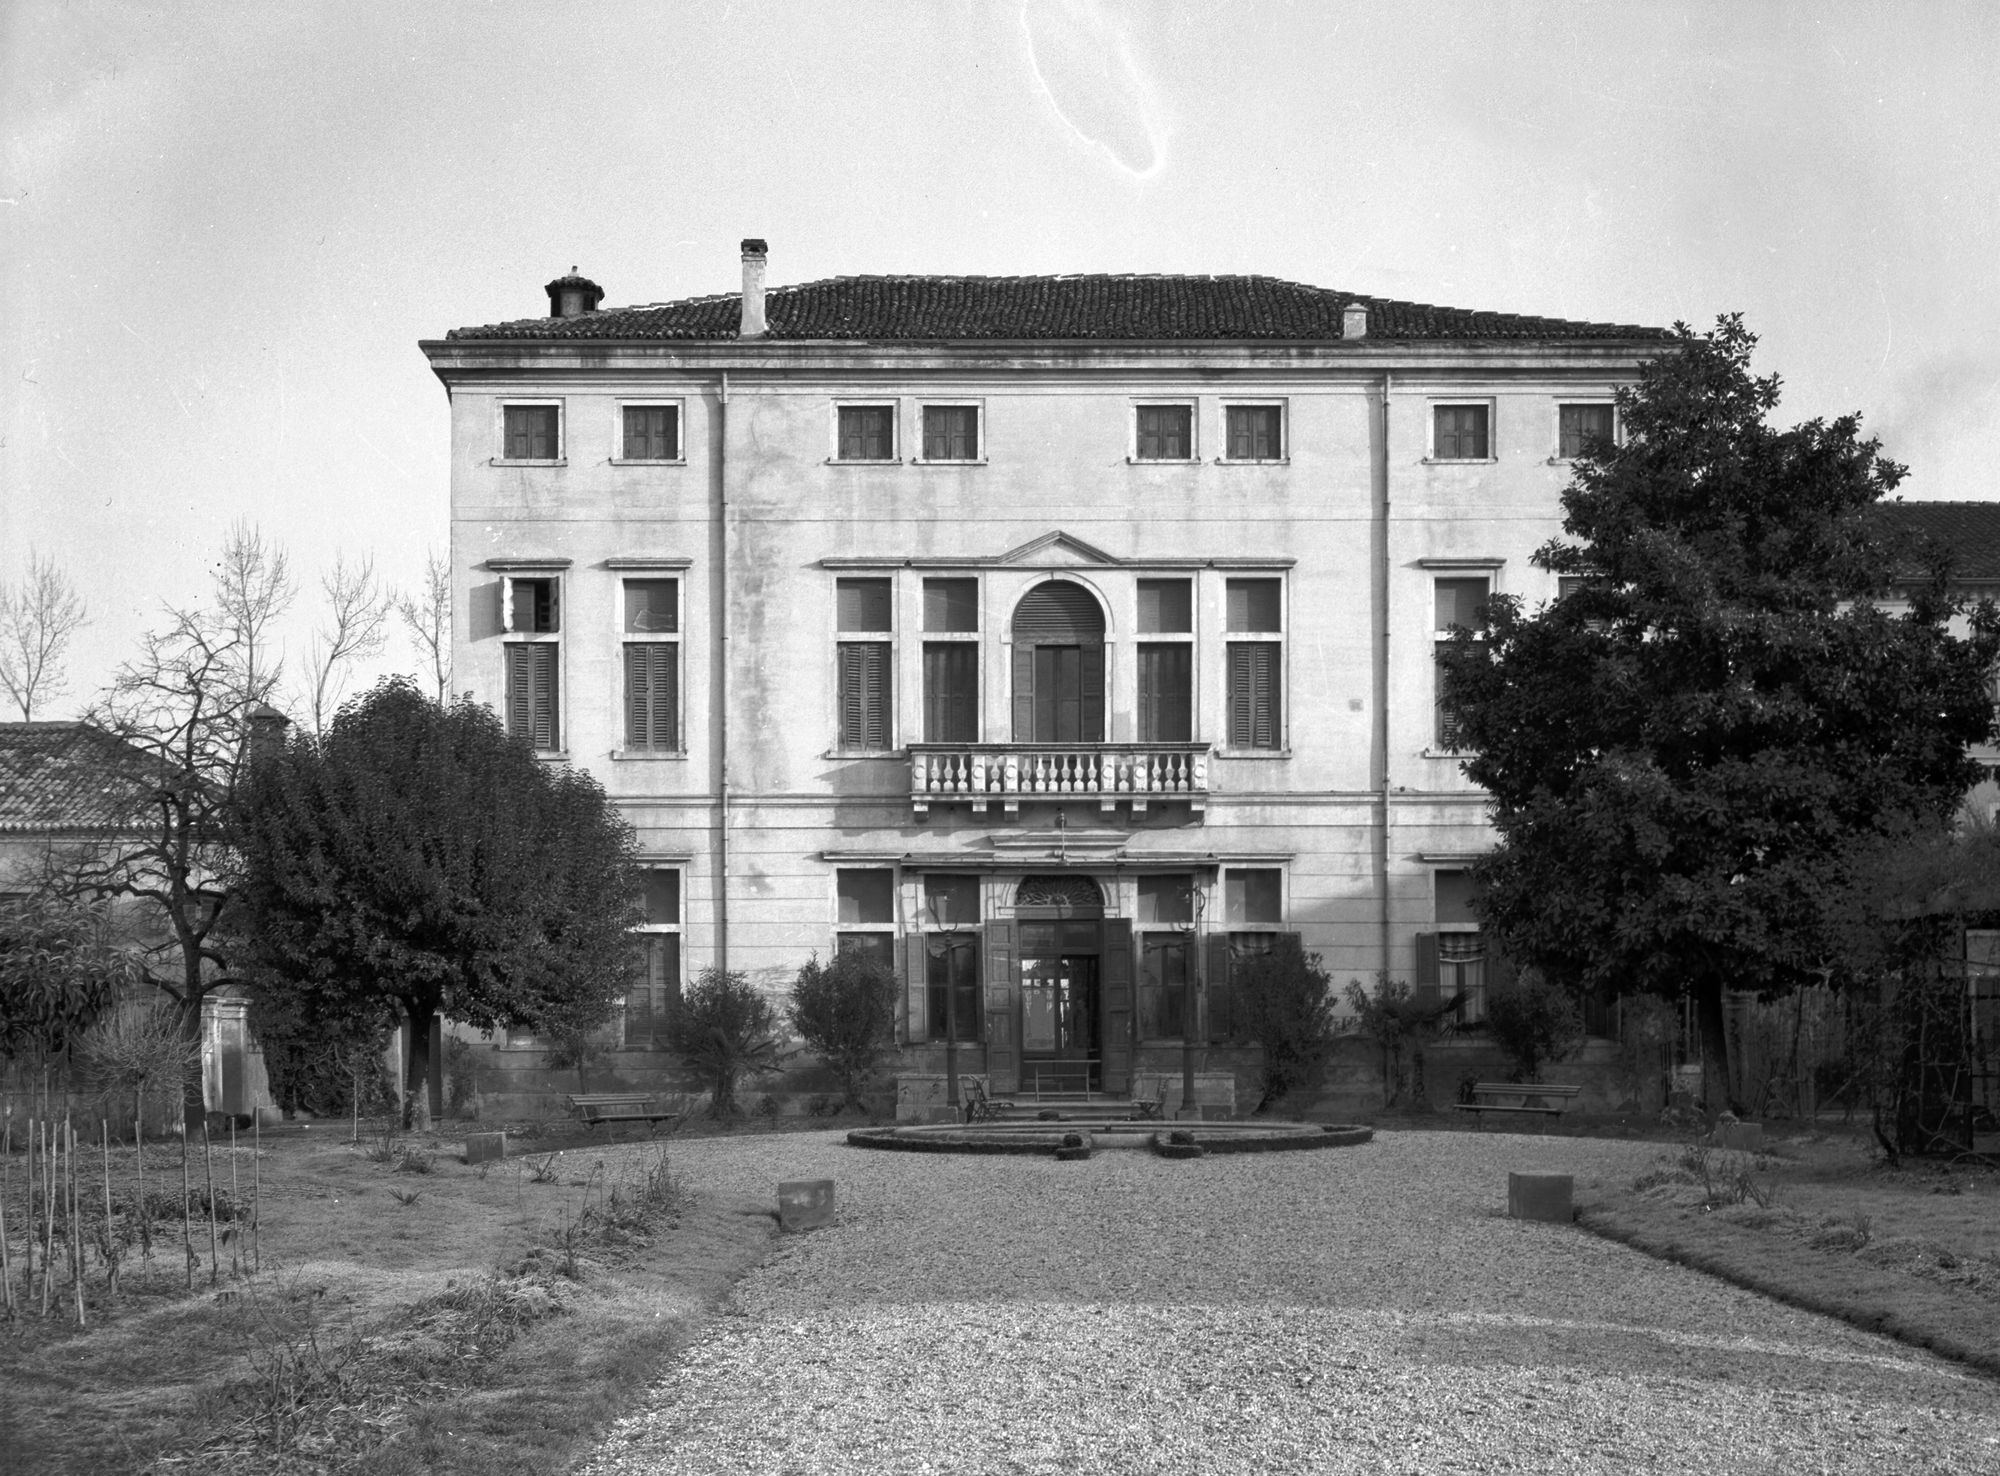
48 1214
110 1238
139 1169
235 1216
6 1183
28 1270
76 1221
187 1214
256 1192
208 1173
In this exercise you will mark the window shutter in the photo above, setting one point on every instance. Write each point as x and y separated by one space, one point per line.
1216 1013
1266 722
638 703
1117 979
1242 695
877 694
1024 692
520 681
1003 1055
1150 659
1425 980
1092 729
543 661
916 980
864 694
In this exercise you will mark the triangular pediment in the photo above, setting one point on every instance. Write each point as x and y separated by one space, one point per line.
1058 547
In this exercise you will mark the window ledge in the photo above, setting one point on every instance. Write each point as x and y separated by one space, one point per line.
648 461
1460 754
1252 753
504 461
1461 460
865 753
948 461
1163 461
553 755
856 461
1253 461
648 755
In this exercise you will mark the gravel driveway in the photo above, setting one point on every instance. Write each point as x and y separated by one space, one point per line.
1357 1309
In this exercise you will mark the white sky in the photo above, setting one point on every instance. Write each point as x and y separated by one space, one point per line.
223 227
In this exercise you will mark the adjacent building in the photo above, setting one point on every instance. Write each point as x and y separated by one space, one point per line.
1058 640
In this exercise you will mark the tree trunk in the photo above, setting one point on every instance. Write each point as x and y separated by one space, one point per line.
1716 1076
194 1097
417 1075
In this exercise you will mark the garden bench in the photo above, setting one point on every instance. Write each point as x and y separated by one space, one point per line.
608 1107
1536 1097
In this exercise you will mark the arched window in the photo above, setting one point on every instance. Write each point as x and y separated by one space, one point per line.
1058 665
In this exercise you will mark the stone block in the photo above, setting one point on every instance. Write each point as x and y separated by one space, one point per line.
1538 1196
485 1147
1748 1137
805 1204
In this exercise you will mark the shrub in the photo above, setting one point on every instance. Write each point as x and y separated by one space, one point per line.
136 1049
846 1011
1534 1022
1284 1002
1398 1021
724 1028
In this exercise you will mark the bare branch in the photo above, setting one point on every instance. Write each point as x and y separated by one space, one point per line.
253 587
427 616
357 612
37 620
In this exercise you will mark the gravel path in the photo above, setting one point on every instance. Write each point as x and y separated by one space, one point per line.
1359 1309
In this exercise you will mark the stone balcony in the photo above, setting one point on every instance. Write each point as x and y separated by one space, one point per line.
983 775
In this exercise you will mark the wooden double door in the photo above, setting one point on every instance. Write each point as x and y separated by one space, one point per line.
1059 1006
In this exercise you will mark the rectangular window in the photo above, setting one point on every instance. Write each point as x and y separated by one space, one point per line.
951 606
652 665
952 901
532 698
867 433
1459 433
1460 605
1578 425
951 432
951 692
651 433
951 980
1166 607
654 991
1255 668
1256 432
533 606
865 687
1253 895
1452 897
531 432
1165 961
1255 605
1166 692
1164 433
865 912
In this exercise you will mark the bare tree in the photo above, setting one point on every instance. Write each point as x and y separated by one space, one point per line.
427 615
253 587
37 619
357 612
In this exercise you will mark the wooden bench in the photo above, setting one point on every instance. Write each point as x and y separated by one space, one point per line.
1539 1098
608 1107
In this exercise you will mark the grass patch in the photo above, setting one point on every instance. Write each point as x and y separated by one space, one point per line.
481 1320
1820 1223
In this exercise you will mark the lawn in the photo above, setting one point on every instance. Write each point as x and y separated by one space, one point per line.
411 1314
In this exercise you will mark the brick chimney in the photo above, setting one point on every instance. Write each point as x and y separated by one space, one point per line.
753 325
573 296
1354 320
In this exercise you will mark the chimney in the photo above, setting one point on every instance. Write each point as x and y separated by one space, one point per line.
753 290
264 732
573 296
1354 320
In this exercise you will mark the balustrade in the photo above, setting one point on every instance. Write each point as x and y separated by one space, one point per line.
1006 773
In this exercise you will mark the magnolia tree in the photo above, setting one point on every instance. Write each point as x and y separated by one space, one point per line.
415 861
1683 748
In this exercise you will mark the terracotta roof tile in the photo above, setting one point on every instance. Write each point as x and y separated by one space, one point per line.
64 776
1115 308
1970 530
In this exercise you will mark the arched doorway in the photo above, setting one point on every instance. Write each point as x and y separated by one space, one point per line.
1060 918
1058 665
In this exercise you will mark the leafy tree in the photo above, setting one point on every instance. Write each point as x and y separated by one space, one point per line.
1284 1002
1534 1022
724 1028
418 861
1680 751
58 973
578 1050
846 1011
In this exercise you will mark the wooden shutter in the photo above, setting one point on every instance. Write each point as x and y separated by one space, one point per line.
1091 726
864 694
531 693
1254 717
1425 977
652 716
916 980
1116 963
1003 1051
951 692
1024 692
1216 1012
547 726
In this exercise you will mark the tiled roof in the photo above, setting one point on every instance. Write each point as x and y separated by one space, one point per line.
1115 308
1970 530
64 776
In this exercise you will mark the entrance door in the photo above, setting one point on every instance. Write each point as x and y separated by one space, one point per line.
1059 1024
